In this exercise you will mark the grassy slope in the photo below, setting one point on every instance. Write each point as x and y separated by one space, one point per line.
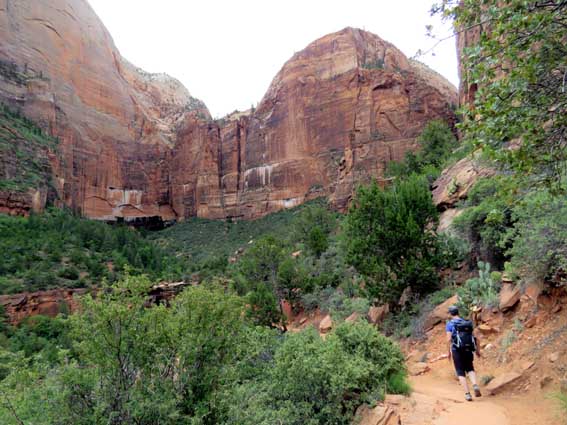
199 239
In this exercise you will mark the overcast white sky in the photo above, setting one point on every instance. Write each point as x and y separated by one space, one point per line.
226 52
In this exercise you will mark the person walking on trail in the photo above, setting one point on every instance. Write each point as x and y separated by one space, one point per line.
462 346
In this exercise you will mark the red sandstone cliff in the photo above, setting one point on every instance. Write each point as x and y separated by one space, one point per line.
138 145
116 123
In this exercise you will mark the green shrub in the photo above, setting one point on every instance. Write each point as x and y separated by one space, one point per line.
70 273
388 239
488 218
539 238
313 228
335 302
43 249
436 143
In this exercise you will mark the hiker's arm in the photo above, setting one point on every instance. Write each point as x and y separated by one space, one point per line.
449 342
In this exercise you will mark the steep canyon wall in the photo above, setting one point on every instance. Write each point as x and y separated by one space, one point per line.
135 145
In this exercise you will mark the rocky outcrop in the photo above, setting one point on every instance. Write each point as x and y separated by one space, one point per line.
440 313
18 307
509 296
22 203
455 182
501 382
47 303
137 145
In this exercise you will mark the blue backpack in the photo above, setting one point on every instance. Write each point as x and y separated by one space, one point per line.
462 336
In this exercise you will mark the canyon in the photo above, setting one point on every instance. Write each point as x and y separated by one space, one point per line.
137 147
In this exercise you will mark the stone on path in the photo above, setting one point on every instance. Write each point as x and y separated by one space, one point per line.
418 368
498 383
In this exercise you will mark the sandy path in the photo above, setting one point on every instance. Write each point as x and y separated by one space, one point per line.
447 406
455 410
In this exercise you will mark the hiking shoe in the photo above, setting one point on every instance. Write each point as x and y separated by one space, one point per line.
468 397
477 391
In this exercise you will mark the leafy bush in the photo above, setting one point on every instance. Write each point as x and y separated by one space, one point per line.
388 238
199 361
482 291
316 381
436 144
539 238
488 218
336 302
519 71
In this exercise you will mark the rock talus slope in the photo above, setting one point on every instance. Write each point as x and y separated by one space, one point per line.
136 145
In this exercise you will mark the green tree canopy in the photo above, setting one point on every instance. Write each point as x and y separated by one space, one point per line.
389 237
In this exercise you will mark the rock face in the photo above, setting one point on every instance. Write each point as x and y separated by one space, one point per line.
136 145
48 303
334 116
116 124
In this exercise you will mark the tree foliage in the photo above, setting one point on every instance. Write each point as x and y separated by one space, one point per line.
436 144
199 361
519 65
389 238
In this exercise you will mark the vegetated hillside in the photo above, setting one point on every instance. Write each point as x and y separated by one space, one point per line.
26 154
59 250
201 240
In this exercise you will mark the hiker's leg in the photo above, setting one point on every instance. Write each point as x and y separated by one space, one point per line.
464 383
472 377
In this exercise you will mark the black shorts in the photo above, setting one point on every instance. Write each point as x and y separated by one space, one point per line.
463 361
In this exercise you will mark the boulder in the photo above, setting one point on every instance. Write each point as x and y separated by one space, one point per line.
326 324
545 381
456 181
377 314
509 296
553 357
533 291
418 368
382 414
440 313
498 383
352 318
486 329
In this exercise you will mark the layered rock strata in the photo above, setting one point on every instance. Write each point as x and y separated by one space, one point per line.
136 145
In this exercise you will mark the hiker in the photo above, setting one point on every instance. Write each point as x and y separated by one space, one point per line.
462 346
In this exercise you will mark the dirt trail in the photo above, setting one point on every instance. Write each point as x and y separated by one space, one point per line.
439 392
